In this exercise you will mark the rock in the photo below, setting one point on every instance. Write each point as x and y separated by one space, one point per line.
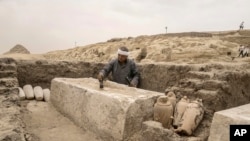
222 120
46 95
38 92
11 136
28 90
154 131
21 94
115 112
142 54
10 118
167 52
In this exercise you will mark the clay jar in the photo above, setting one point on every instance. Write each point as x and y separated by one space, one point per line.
172 98
179 110
163 111
191 117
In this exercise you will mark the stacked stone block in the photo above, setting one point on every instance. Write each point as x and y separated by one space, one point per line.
10 122
8 76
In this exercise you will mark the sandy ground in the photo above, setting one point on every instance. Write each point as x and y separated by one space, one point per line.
44 123
19 56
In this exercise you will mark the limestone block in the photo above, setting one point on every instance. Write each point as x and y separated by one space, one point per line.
115 112
9 82
222 120
46 94
11 74
38 92
21 93
28 90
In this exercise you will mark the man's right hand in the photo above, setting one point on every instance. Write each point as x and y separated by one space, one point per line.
100 76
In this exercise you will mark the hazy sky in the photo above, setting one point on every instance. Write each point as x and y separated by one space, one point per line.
46 25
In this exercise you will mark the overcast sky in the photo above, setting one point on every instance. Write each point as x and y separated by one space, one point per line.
46 25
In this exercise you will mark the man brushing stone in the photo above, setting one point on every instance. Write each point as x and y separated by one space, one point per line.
124 70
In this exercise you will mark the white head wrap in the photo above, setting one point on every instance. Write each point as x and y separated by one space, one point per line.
122 52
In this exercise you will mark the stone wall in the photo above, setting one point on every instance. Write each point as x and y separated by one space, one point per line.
161 76
237 91
219 86
10 123
153 77
223 119
40 73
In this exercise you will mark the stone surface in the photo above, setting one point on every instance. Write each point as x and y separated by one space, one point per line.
113 113
4 74
21 94
8 82
29 92
154 131
10 122
46 95
6 91
38 92
223 119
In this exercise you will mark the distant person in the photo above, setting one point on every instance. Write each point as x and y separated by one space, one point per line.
241 49
124 70
241 25
246 51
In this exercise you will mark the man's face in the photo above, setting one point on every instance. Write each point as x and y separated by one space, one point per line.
122 58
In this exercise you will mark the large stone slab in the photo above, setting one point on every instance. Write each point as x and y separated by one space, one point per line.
113 113
222 120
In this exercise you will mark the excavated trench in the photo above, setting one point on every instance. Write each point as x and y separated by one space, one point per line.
220 86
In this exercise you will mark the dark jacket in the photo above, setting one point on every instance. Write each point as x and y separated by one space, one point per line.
120 72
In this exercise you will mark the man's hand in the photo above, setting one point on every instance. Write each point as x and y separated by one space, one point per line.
100 76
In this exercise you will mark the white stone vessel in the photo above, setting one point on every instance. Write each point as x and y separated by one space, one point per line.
28 90
38 92
21 93
46 95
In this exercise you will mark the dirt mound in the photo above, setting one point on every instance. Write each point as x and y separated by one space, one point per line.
189 47
18 49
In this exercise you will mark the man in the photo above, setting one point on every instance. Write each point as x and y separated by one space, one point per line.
245 51
241 25
124 70
241 49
